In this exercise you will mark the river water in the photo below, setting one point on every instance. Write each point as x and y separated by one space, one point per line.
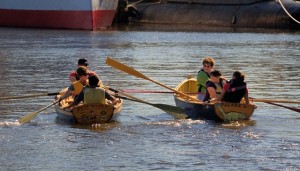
142 137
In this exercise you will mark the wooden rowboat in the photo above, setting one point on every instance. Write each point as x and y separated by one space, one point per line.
221 111
86 113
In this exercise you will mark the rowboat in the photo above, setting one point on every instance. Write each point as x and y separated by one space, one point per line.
65 14
221 111
86 113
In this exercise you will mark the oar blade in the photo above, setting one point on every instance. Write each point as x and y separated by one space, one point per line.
32 115
175 111
115 64
28 117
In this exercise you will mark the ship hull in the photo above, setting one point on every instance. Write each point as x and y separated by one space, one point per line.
64 14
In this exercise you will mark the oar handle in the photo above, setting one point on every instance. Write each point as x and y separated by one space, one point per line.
53 94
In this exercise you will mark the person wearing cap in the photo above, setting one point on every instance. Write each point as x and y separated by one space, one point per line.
81 63
93 94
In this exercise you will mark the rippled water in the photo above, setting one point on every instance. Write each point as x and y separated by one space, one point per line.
143 137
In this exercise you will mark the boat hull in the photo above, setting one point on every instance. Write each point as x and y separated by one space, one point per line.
218 112
64 14
218 13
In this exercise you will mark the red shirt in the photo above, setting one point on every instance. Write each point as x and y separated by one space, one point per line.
73 74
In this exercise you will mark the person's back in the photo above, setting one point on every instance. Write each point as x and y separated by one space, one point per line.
235 90
94 95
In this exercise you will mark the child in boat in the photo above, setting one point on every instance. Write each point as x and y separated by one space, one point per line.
82 62
93 94
214 86
76 87
203 75
235 90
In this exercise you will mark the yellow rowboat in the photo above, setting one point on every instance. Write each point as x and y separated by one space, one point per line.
222 111
86 113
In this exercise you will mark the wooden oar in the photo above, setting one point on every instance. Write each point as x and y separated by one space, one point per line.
30 116
155 91
274 101
28 96
113 63
175 111
287 107
278 101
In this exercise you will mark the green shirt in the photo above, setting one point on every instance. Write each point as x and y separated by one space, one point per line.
202 78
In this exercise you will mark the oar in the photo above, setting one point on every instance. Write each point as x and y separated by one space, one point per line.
287 107
278 101
274 101
28 96
113 63
175 111
30 116
154 91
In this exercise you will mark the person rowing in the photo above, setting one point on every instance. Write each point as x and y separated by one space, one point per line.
214 86
82 62
76 87
93 94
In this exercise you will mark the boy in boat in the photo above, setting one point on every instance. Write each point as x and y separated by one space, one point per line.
76 87
82 62
203 75
235 90
214 86
92 94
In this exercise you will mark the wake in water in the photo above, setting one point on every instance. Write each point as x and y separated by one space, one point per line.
7 123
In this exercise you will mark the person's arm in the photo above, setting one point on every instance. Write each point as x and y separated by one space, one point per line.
246 97
72 77
68 92
66 95
225 88
76 101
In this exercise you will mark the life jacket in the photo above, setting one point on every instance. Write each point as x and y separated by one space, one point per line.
78 86
94 95
202 88
235 92
219 86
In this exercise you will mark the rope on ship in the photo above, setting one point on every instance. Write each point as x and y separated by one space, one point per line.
288 12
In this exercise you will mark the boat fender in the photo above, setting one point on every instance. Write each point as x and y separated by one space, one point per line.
133 12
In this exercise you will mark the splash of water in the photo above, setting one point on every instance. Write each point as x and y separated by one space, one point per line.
8 123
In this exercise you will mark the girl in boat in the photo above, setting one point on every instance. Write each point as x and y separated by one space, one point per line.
214 86
235 90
